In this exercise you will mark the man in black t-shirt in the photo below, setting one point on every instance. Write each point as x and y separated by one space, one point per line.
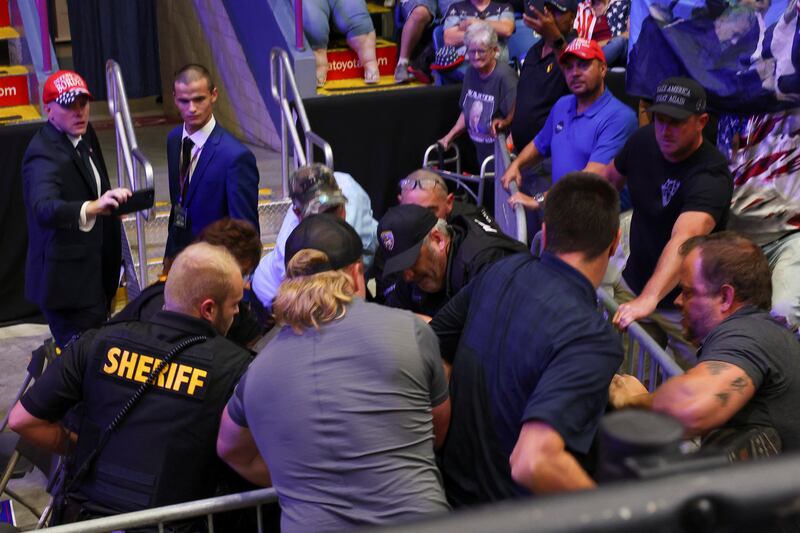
748 364
541 82
680 187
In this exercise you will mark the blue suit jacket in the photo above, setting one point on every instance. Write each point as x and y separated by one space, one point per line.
224 183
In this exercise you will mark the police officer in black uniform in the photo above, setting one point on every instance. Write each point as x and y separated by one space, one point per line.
163 448
436 259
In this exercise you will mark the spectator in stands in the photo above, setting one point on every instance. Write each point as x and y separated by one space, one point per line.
436 259
487 94
748 364
242 240
317 189
606 21
766 197
532 358
541 84
541 81
352 19
347 403
211 174
584 129
72 267
162 448
417 16
680 187
465 13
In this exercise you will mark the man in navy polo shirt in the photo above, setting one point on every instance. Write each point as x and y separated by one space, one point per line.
532 358
585 129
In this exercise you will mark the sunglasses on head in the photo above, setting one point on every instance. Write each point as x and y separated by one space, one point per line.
426 184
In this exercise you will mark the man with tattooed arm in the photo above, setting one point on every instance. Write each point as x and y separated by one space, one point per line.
748 366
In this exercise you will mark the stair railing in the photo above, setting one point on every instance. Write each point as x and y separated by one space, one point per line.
282 78
133 168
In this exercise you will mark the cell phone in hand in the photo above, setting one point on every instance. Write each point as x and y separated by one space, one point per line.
530 4
139 201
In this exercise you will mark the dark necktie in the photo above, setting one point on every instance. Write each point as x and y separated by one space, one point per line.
186 159
83 150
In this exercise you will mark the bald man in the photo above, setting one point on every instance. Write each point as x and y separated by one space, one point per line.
192 370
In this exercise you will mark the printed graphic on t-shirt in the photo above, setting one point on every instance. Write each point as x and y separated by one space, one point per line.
668 190
478 112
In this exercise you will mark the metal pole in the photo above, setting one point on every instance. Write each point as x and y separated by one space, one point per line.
284 135
298 25
44 29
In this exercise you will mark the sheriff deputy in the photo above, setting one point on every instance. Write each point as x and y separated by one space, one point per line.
162 450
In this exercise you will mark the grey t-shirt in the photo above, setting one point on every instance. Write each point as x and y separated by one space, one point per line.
770 356
483 100
342 416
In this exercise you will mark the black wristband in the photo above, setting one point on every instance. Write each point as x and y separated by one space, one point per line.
559 43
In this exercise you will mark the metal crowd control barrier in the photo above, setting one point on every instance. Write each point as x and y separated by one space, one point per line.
161 516
654 364
133 165
281 75
515 224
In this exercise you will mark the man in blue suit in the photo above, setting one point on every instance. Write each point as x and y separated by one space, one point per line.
211 174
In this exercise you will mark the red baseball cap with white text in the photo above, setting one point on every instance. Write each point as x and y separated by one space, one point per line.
63 87
584 48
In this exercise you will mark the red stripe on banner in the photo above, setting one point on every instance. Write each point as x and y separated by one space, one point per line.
344 64
14 91
5 19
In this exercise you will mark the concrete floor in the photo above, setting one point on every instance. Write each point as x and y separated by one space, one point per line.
17 342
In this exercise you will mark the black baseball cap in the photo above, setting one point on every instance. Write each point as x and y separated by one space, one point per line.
329 234
313 189
401 232
679 98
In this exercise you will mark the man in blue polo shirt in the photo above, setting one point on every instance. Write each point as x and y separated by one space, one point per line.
584 130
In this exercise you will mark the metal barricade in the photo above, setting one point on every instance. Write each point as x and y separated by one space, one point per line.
282 78
133 171
161 516
645 358
515 224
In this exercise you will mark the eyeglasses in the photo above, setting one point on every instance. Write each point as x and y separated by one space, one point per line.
478 52
426 184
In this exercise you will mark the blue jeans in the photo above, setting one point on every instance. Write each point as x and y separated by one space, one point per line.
615 51
784 262
350 16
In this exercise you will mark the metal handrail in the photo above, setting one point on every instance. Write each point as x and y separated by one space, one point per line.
281 74
668 365
501 164
173 513
131 162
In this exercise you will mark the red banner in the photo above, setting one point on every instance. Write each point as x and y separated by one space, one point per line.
5 20
344 64
13 91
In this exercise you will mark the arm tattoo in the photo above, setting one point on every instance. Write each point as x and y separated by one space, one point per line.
723 398
739 384
717 367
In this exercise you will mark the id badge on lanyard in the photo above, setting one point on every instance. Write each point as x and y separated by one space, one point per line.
180 215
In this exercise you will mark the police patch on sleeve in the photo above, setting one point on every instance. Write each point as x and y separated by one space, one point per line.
176 377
